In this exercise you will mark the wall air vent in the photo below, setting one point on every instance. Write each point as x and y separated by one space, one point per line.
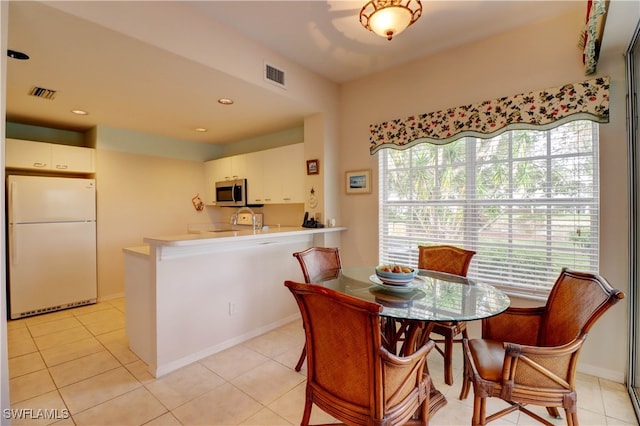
41 92
274 75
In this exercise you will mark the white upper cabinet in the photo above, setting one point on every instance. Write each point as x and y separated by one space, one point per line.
215 171
22 154
284 175
226 168
65 158
294 175
274 176
218 170
255 186
239 166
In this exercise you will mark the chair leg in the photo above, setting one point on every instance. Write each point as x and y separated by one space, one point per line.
479 411
466 383
303 355
572 418
553 412
306 416
448 355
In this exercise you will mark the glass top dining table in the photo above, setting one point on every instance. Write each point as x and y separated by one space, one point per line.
432 296
409 312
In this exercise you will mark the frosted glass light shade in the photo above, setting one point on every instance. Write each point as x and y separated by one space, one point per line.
390 21
388 18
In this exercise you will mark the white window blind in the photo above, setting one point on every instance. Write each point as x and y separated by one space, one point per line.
526 201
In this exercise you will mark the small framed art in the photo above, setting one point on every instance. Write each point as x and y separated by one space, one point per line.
313 167
358 181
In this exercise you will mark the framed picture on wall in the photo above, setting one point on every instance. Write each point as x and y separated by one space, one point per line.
358 181
313 167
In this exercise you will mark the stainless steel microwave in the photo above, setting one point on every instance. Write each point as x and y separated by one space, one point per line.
231 193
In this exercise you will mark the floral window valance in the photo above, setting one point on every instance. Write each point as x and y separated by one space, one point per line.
591 38
588 100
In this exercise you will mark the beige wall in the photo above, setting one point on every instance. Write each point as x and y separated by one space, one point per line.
140 196
534 57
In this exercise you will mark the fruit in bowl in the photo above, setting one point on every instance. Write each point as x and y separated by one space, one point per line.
395 274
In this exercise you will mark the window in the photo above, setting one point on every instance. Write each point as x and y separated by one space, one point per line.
526 201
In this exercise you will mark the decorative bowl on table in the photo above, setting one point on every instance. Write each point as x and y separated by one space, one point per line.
396 274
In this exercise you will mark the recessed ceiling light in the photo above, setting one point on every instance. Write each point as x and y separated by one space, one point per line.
17 55
201 129
225 101
79 112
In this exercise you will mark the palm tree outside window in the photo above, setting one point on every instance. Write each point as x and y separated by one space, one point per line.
527 201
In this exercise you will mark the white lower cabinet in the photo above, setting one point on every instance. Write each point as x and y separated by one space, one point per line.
30 155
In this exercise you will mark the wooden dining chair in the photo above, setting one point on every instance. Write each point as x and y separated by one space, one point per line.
350 375
529 355
451 260
319 263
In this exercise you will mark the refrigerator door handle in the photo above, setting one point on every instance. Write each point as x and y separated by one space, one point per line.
14 244
12 229
12 190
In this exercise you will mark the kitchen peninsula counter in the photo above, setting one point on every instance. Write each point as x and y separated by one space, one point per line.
191 295
236 236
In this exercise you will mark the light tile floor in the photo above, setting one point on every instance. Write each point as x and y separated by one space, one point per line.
74 367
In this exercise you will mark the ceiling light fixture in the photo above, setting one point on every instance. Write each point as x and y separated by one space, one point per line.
201 130
225 101
388 18
79 112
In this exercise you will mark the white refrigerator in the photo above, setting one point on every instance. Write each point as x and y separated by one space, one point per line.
51 239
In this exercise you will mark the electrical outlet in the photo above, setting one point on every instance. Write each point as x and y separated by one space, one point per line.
232 308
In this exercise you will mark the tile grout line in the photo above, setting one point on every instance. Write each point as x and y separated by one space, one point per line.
104 347
141 384
120 363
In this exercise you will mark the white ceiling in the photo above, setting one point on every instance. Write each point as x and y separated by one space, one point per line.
130 84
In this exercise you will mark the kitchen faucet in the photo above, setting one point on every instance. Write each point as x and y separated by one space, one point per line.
245 209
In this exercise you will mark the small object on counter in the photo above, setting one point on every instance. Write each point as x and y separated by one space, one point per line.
265 228
310 223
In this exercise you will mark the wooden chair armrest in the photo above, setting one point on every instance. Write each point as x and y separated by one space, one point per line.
517 325
403 374
550 367
409 360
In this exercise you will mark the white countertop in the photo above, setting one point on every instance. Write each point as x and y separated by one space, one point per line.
228 236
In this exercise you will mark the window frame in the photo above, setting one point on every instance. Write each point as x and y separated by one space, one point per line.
479 270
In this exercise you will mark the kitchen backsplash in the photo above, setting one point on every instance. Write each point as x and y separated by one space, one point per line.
274 214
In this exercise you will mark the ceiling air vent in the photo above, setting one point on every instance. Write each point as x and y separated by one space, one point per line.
41 92
274 75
